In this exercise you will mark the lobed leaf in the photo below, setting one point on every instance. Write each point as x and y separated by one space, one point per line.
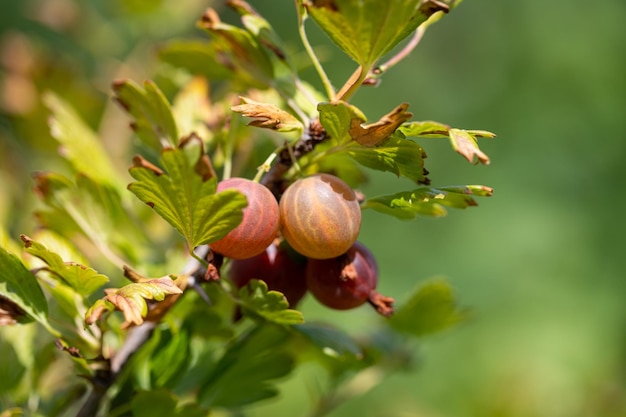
245 372
337 118
462 141
153 121
21 297
367 29
81 278
184 195
79 144
430 309
131 299
272 306
427 201
376 133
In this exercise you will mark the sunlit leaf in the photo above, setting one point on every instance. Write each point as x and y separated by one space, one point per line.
192 109
81 278
235 382
184 195
197 57
427 201
21 296
367 29
465 143
376 133
430 309
131 299
270 305
153 119
79 144
337 118
425 129
403 157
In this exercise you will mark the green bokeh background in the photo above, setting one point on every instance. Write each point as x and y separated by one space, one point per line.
541 263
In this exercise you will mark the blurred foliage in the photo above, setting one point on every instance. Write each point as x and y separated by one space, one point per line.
541 264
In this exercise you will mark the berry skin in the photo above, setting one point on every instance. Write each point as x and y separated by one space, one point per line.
259 225
320 216
344 282
281 268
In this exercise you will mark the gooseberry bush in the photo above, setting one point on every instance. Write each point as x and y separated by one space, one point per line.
176 292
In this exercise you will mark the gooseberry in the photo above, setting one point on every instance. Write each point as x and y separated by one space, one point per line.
320 216
346 281
259 225
279 266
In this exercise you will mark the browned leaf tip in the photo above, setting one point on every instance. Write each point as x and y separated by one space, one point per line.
382 303
375 133
266 115
140 162
10 313
203 166
28 242
73 351
209 19
465 144
213 271
429 7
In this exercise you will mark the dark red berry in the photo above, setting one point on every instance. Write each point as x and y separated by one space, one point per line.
280 267
343 282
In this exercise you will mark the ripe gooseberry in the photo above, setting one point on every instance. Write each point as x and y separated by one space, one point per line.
280 267
259 225
320 216
344 282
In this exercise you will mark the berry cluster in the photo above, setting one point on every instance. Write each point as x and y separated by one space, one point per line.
319 219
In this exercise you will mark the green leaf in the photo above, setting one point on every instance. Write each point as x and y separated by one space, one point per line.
184 195
331 341
19 287
428 129
192 109
403 157
430 309
153 119
462 141
336 118
80 145
239 49
367 29
427 201
157 403
272 306
196 57
244 373
92 209
81 278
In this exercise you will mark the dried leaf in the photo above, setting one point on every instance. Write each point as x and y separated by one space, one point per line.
465 143
267 116
375 133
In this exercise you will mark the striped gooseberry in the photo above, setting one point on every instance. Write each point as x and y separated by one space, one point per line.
320 216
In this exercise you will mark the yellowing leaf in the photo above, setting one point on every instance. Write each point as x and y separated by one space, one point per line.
267 115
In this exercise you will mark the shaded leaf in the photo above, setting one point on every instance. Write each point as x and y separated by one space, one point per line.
184 195
193 111
331 341
403 157
79 144
376 133
157 403
81 278
430 309
267 115
236 382
427 201
240 48
270 305
367 29
20 291
153 119
197 57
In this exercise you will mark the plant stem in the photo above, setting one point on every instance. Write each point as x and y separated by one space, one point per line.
353 83
328 87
